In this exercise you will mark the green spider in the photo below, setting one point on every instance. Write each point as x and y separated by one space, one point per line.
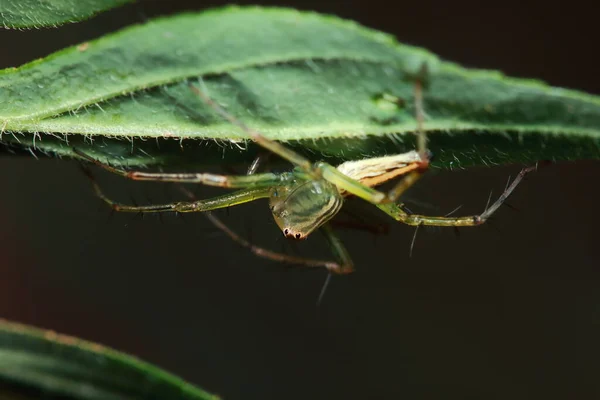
306 198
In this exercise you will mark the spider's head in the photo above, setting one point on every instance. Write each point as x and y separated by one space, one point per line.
302 207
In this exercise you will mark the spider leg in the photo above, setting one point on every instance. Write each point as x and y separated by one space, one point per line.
423 165
284 152
333 266
396 212
420 114
227 200
344 264
228 181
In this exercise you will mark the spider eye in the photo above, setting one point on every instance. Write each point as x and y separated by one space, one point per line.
298 236
286 231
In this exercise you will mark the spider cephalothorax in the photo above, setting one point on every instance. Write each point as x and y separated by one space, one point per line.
304 206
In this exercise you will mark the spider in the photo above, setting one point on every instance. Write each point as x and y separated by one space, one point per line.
306 198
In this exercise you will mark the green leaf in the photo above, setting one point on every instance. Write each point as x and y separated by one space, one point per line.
324 85
44 13
35 363
174 48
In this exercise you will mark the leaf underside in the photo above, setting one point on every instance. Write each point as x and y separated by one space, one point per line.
328 87
35 363
24 14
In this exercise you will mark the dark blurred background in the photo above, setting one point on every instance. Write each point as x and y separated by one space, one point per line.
509 311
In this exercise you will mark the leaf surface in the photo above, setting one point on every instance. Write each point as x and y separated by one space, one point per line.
327 86
171 49
43 13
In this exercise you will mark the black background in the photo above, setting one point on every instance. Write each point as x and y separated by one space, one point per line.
511 312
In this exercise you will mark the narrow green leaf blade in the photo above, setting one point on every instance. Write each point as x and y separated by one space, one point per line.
38 361
43 13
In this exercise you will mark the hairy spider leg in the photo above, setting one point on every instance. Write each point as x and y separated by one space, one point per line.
271 145
395 210
227 200
342 266
227 181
